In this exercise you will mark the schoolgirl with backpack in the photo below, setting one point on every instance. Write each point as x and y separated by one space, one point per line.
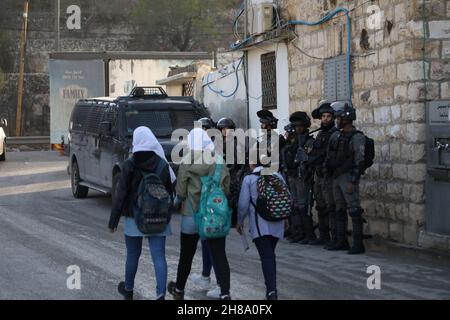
203 188
266 202
143 196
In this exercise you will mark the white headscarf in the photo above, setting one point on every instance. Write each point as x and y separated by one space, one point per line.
145 140
199 140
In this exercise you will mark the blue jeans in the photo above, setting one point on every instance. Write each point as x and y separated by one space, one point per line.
158 252
266 248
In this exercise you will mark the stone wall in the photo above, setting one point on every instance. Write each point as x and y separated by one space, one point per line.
392 78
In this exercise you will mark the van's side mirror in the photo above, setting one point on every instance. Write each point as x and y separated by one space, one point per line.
105 128
3 123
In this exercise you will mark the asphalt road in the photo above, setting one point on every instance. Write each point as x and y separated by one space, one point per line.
44 230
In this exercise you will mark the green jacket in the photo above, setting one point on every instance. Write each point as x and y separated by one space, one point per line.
189 185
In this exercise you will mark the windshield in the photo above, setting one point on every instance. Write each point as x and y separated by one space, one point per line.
161 122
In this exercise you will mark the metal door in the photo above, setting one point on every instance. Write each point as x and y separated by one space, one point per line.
438 168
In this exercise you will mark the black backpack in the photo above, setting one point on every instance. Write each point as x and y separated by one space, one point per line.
369 151
152 207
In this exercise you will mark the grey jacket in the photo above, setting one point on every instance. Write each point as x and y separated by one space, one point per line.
258 226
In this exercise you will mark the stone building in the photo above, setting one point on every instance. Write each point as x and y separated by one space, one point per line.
400 62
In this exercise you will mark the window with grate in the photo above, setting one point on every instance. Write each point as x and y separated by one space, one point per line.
80 117
269 80
94 119
188 89
158 121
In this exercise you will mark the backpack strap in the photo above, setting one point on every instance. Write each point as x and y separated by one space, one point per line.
161 166
218 170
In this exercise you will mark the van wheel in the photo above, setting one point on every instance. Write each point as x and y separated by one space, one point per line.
78 191
3 156
114 185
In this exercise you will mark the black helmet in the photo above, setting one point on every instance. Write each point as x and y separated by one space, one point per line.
207 123
290 128
267 117
225 123
300 118
323 107
339 107
344 110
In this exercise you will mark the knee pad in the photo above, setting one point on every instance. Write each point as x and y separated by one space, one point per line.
355 212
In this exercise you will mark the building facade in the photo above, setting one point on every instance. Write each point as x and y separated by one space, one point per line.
392 59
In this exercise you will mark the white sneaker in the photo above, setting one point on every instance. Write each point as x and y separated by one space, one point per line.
214 293
201 281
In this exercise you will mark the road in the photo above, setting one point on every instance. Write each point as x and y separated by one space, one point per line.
44 230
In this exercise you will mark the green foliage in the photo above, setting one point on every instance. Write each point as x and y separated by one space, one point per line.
182 25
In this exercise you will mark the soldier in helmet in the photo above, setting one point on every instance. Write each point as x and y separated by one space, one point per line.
207 123
345 161
299 176
236 166
269 122
288 167
323 190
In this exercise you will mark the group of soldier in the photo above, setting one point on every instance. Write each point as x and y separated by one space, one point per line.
324 171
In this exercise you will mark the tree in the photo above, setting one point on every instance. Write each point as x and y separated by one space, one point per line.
182 25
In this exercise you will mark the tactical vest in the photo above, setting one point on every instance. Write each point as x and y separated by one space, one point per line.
320 147
340 159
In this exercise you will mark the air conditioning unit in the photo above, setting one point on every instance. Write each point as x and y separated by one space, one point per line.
261 18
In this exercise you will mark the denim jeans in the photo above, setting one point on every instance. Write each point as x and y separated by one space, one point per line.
266 247
157 247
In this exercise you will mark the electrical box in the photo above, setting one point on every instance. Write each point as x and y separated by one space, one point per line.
438 167
261 18
336 85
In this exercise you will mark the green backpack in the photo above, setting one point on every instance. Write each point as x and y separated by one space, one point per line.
213 218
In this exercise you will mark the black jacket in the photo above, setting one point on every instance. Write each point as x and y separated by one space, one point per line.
129 179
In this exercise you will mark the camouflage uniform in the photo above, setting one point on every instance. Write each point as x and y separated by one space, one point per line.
323 186
346 161
299 177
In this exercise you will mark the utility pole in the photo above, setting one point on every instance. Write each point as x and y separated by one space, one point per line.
57 25
23 41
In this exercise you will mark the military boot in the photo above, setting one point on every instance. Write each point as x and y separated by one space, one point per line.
333 230
358 243
324 228
297 230
341 232
308 228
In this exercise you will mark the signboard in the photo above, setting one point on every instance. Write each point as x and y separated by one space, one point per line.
70 81
439 113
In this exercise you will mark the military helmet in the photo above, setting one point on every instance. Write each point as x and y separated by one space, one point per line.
267 117
323 107
344 110
300 118
290 128
207 123
225 123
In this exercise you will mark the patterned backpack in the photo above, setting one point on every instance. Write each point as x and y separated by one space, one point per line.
213 218
274 202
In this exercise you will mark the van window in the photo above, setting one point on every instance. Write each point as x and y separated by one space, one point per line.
185 119
94 118
80 116
158 121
